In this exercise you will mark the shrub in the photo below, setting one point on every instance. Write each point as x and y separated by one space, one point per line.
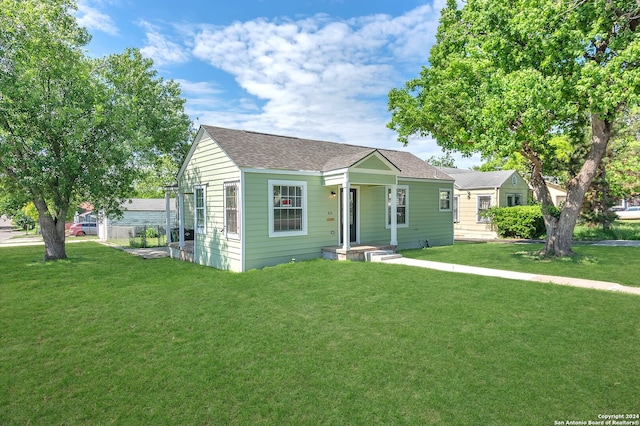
23 220
151 233
518 221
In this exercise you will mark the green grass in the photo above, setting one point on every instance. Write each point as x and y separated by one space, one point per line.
619 230
613 264
106 337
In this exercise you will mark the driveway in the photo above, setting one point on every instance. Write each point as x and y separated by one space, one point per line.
5 229
618 243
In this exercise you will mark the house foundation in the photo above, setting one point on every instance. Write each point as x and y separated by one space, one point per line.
184 253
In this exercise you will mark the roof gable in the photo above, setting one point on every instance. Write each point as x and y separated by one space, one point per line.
376 161
473 179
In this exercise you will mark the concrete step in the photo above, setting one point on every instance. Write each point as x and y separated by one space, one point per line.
380 255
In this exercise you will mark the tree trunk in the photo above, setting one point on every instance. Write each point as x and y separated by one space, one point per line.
560 228
541 193
53 232
577 188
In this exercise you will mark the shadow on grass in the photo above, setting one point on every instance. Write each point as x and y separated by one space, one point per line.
535 256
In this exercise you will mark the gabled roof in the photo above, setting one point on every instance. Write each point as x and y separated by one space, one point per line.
472 179
272 152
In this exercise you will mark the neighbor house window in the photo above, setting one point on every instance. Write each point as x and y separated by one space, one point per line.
231 209
445 200
200 209
402 206
484 204
287 208
456 209
514 200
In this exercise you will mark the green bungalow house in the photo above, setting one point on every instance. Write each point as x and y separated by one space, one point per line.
252 200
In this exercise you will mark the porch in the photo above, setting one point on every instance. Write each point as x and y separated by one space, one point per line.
181 252
356 252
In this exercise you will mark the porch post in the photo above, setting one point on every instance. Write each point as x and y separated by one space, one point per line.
167 208
346 213
394 215
181 213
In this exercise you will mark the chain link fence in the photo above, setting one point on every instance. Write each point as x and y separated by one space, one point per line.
139 236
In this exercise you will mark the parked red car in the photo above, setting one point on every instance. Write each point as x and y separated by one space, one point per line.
83 228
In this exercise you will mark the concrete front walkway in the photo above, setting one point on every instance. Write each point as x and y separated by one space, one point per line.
475 270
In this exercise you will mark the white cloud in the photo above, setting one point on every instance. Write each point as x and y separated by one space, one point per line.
318 77
160 49
93 19
199 88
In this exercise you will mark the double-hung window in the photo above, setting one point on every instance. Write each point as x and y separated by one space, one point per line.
445 200
402 206
287 208
232 209
200 213
484 204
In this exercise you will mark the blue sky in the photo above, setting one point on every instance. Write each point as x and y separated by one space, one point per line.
317 69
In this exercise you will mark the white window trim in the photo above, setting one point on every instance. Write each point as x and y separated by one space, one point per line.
303 231
203 228
232 235
386 207
478 207
450 191
456 212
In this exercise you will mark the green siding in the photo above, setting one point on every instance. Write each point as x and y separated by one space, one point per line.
426 221
508 188
210 166
357 178
372 163
322 222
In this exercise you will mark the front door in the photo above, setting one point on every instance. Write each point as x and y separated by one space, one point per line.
353 228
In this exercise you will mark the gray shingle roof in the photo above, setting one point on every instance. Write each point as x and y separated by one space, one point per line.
264 151
472 179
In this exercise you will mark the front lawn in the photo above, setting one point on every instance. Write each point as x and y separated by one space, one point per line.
106 337
613 264
619 230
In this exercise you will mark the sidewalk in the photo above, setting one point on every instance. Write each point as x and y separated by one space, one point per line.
475 270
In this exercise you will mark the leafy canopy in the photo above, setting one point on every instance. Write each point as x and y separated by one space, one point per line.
71 125
510 76
74 127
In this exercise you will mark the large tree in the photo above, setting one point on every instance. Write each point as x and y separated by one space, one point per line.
509 77
74 127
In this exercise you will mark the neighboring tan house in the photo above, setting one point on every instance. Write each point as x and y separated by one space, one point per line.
558 194
475 192
256 200
138 214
